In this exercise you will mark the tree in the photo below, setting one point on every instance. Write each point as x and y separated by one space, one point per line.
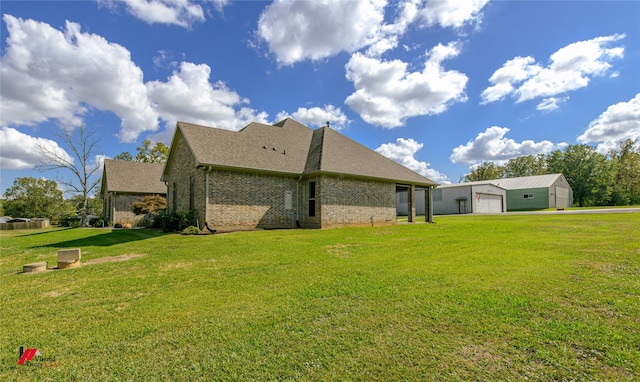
588 172
83 145
36 198
156 154
125 155
526 166
145 153
485 171
94 204
626 168
150 204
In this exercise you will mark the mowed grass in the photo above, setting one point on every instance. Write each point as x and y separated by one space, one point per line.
538 297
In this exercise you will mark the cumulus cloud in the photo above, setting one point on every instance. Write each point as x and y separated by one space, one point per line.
492 145
452 14
300 30
387 93
315 30
317 116
183 13
61 75
189 95
570 68
403 151
619 122
52 74
20 151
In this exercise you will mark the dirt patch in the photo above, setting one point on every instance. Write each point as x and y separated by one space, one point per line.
113 259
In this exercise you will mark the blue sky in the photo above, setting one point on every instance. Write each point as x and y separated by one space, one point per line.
437 86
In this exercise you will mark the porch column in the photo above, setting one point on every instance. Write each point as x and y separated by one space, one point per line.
412 204
428 205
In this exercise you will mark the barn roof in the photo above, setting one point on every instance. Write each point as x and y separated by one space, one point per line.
289 147
535 181
132 177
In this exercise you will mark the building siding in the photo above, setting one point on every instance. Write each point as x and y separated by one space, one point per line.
516 200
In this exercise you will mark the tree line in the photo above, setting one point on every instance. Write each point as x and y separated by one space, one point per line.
596 179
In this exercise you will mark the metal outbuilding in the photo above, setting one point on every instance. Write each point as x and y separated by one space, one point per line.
466 198
537 192
463 198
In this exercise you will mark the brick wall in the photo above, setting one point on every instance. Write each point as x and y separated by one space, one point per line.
183 168
122 208
353 202
239 200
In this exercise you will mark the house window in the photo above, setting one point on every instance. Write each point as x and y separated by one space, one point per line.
192 192
174 195
527 196
312 199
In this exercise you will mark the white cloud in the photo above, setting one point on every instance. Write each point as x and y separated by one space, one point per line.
570 68
189 96
452 13
387 93
491 145
314 30
317 116
551 103
403 151
20 151
300 30
51 74
183 13
619 122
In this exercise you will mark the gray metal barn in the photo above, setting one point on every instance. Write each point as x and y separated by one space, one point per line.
537 192
494 196
467 198
463 198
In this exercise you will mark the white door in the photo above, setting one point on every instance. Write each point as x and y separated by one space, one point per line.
488 203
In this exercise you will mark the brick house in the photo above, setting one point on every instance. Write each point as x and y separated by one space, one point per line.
123 183
282 176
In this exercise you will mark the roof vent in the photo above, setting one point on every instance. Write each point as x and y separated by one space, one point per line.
264 147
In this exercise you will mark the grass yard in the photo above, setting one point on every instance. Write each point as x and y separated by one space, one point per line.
537 297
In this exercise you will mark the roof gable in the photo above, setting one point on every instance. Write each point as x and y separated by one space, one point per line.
332 152
134 177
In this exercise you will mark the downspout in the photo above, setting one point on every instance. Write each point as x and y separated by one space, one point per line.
298 201
207 170
206 196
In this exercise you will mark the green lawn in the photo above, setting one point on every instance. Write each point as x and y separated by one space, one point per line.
539 297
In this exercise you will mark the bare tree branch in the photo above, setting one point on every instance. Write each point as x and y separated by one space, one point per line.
83 144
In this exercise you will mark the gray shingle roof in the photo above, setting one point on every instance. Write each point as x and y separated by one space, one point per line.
134 177
289 147
279 148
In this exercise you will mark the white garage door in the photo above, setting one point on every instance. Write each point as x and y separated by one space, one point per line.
489 203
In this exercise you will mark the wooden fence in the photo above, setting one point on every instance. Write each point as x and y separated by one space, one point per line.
38 224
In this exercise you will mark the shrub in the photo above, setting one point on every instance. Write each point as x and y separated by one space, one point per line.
175 221
150 204
191 230
99 222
